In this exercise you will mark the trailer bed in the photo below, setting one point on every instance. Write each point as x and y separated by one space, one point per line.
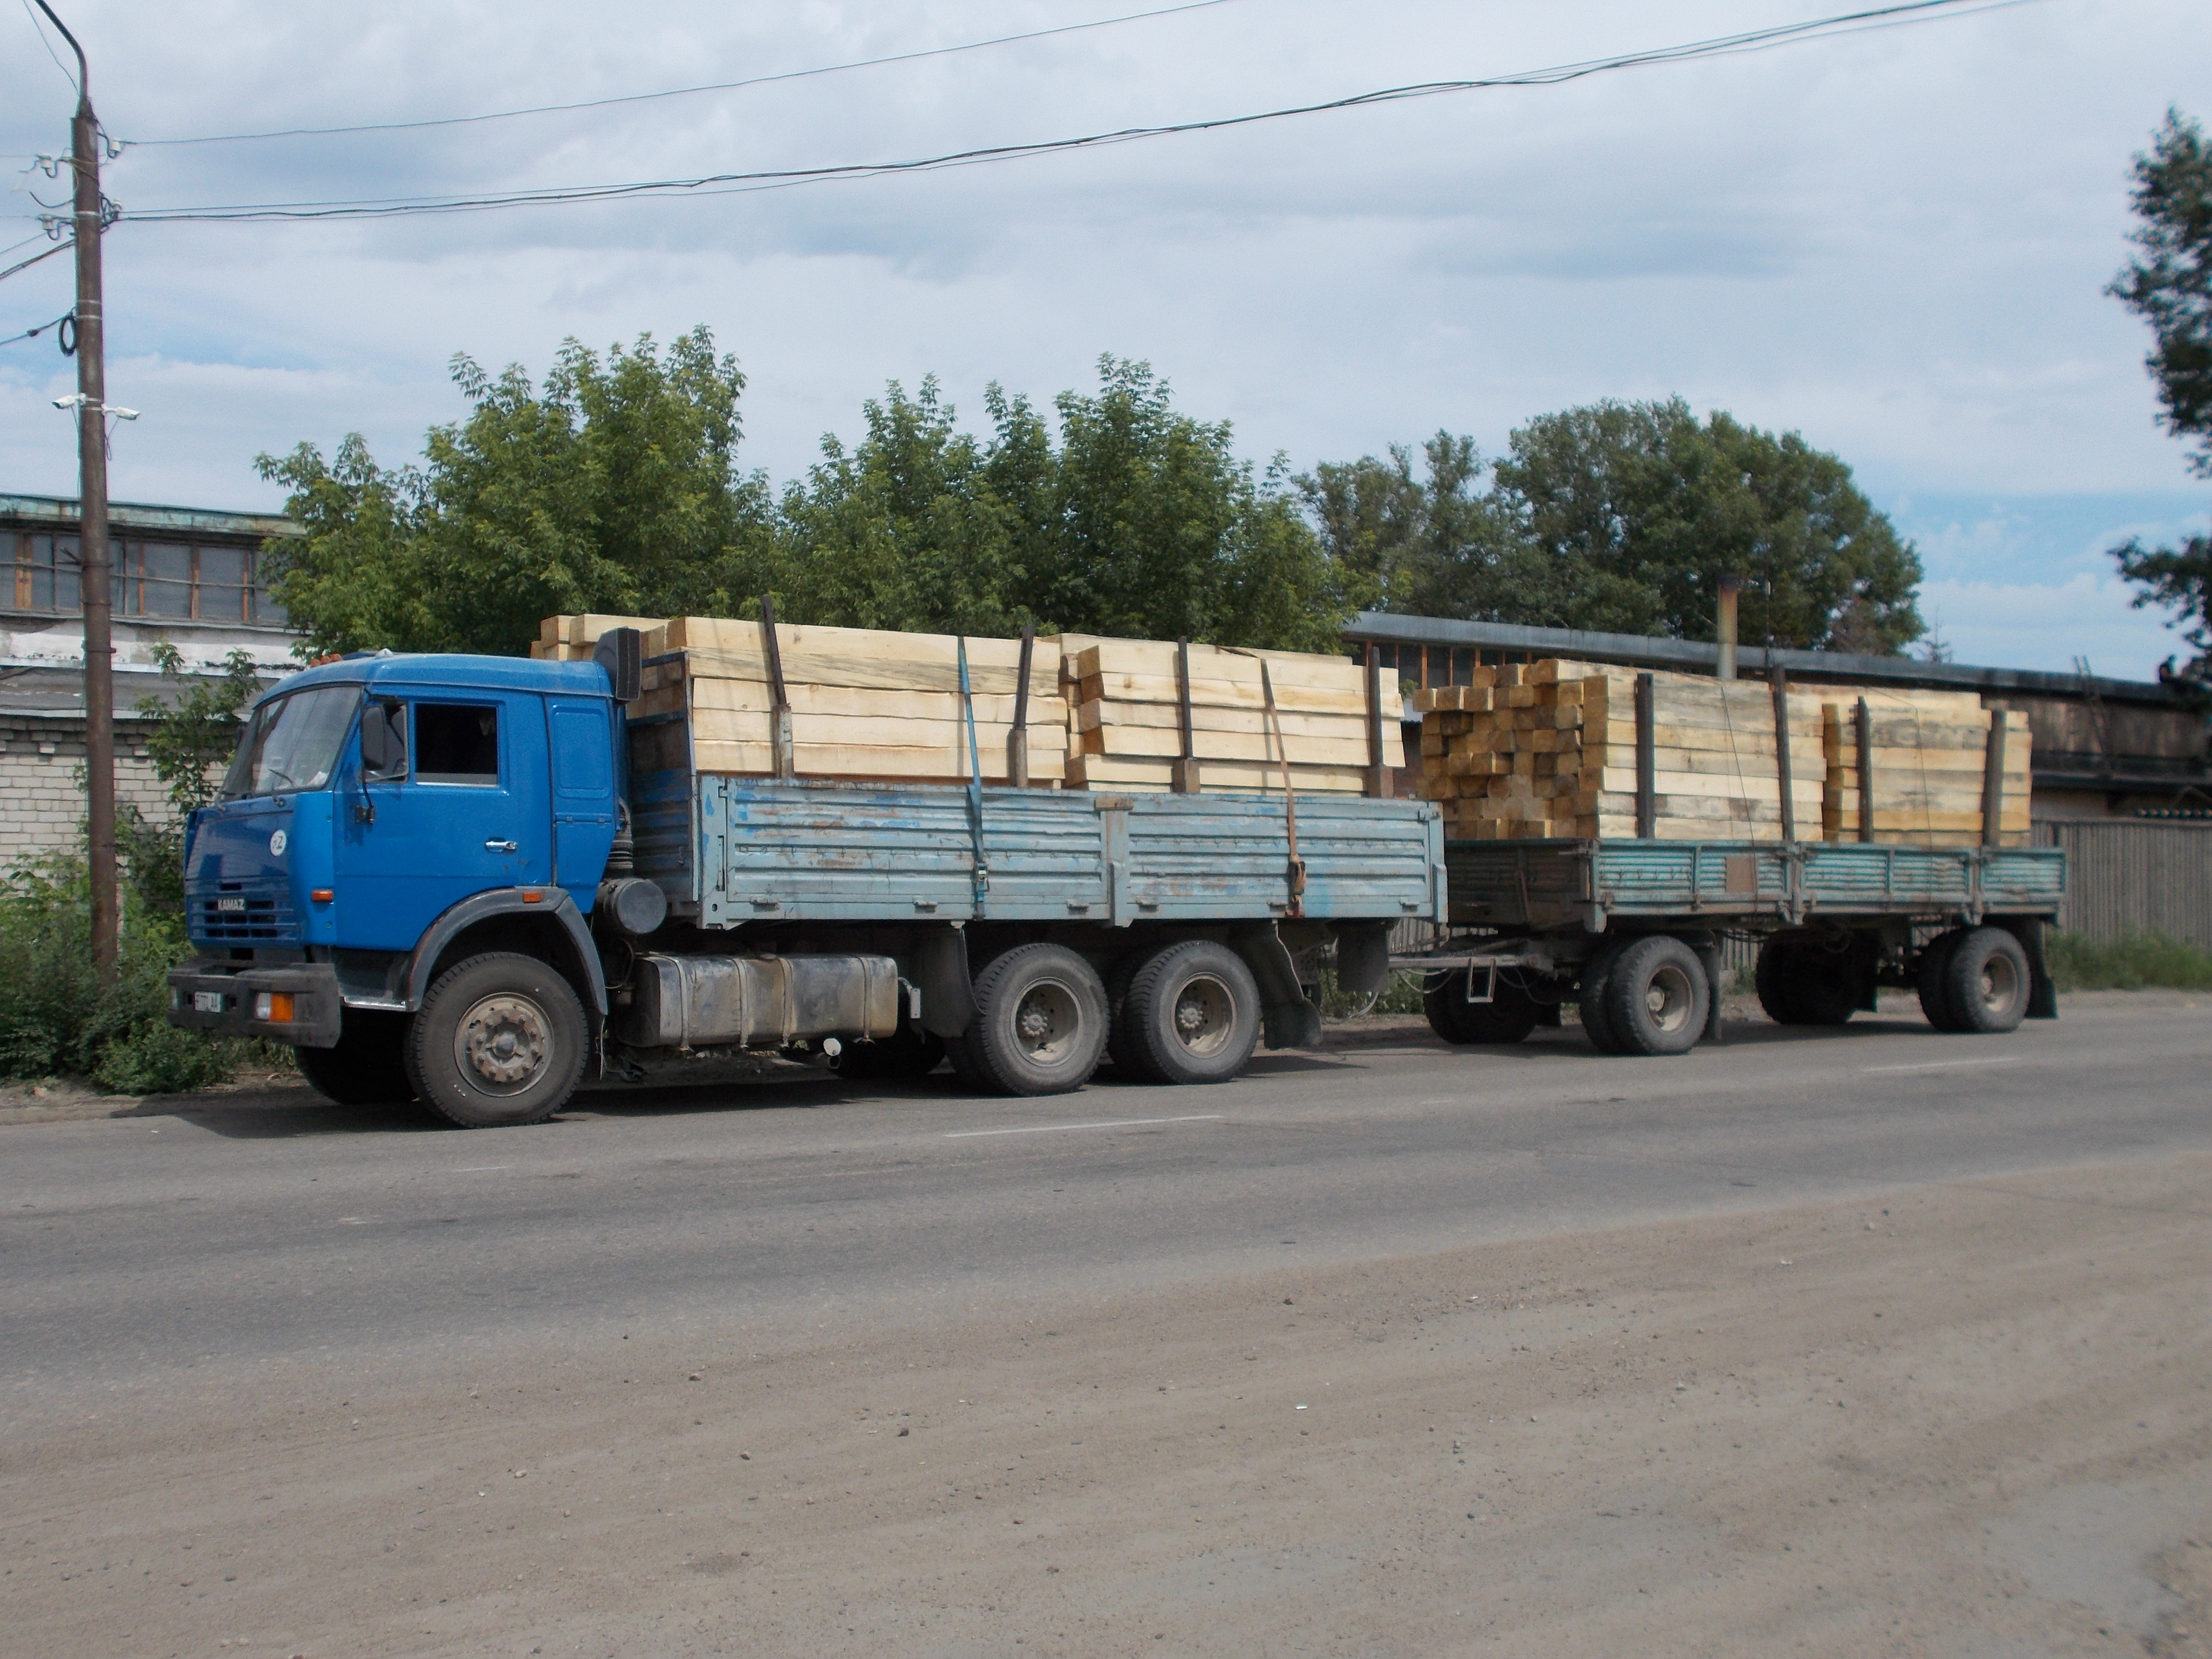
1538 884
732 850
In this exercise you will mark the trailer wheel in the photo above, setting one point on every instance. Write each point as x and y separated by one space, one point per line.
1597 973
907 1054
1657 998
1508 1017
1041 1028
1808 985
366 1067
1934 981
1191 1015
500 1041
1986 980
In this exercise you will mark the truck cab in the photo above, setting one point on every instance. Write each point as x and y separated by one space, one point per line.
384 819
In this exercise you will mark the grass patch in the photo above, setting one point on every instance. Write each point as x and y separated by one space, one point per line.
2134 963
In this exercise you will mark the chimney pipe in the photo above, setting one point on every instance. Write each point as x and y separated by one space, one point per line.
1724 627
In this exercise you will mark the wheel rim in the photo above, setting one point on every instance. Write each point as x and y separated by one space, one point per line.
504 1044
2000 984
1204 1018
1668 997
1049 1021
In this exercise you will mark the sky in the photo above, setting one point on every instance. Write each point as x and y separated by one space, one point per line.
1895 242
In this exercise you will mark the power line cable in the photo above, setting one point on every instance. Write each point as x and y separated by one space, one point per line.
683 92
49 46
1907 13
25 264
34 333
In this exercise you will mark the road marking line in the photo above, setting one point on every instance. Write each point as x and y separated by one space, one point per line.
479 1169
1118 1123
1937 1065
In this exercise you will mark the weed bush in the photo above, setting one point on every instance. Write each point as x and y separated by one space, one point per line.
2134 963
56 1017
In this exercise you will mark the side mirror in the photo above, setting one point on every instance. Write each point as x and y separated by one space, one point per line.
383 742
621 653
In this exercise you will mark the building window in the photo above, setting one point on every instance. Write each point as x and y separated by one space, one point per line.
194 581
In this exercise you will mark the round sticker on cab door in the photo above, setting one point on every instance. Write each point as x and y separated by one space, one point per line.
277 845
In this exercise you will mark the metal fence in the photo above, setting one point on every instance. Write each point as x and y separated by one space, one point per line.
2125 876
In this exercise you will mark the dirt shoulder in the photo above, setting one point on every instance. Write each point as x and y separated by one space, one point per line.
1968 1419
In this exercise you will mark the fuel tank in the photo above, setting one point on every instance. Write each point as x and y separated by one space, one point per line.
696 1002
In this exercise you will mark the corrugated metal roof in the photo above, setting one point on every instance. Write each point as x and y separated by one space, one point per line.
1701 657
61 512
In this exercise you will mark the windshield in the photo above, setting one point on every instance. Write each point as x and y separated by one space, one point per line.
293 742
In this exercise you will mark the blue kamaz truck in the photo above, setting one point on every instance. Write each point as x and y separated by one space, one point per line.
441 878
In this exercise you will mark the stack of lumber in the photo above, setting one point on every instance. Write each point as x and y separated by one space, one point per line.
1929 754
865 704
1126 700
1549 749
571 638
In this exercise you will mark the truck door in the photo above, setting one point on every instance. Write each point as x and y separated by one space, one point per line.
452 799
583 749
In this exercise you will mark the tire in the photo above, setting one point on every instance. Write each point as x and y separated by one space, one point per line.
500 1041
1118 1053
1657 998
1508 1017
967 1069
1191 1015
1985 981
906 1055
366 1068
1933 982
1597 972
1041 1024
1801 984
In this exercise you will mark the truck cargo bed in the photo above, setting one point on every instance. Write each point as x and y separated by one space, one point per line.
732 850
1564 883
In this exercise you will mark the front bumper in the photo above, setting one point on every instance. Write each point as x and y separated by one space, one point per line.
224 997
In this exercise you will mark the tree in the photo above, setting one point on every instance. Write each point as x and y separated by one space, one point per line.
1638 510
613 488
2169 286
188 739
1438 546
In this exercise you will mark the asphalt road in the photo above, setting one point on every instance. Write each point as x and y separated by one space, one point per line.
1871 1342
274 1231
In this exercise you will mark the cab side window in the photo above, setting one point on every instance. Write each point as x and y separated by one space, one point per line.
457 743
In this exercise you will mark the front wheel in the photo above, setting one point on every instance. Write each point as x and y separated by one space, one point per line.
367 1068
1040 1021
1191 1015
1508 1017
500 1040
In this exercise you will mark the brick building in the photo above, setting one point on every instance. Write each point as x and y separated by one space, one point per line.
189 577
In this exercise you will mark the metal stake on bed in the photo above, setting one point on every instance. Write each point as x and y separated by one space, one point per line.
787 758
1184 778
975 779
1017 740
1782 754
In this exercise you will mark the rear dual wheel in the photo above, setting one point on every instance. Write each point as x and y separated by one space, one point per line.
1974 979
1645 995
1191 1015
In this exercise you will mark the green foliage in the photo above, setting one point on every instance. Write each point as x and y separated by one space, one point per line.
1622 518
1402 995
2169 286
2134 963
55 1017
612 487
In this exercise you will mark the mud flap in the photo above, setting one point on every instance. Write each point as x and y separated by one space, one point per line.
939 962
1291 1021
2042 992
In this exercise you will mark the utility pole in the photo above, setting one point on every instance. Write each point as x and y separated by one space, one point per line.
92 543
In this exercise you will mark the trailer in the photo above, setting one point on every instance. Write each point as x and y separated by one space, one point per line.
1630 931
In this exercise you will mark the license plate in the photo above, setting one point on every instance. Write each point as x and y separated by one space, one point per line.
207 1002
230 904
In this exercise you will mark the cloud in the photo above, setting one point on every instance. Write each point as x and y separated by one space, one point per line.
2048 625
